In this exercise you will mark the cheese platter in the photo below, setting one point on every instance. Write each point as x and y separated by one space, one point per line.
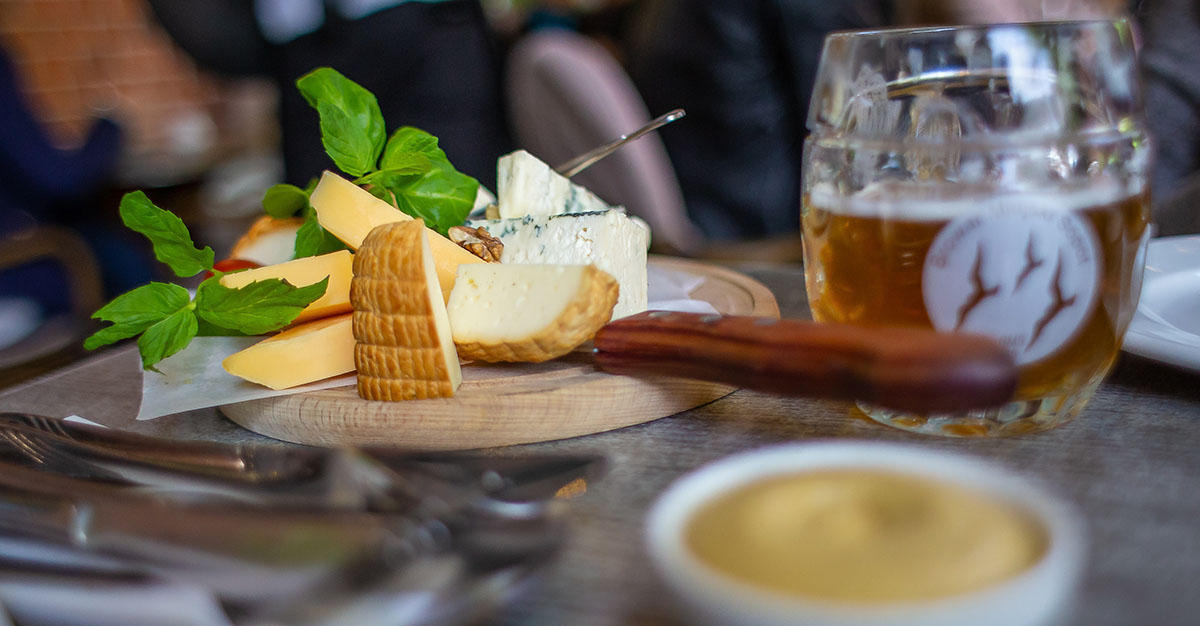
464 333
510 403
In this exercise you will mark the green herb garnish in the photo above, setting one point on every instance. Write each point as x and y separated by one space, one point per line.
283 201
167 317
409 171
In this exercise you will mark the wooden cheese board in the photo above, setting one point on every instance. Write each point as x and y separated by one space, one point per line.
509 403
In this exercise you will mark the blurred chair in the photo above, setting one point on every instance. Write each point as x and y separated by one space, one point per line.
58 338
566 95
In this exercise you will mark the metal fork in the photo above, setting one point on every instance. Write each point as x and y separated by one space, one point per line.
344 479
585 160
38 451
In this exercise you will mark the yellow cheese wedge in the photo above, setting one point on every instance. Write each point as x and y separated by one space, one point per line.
528 313
405 350
350 212
302 354
307 271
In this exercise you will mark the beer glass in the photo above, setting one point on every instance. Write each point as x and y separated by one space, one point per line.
982 179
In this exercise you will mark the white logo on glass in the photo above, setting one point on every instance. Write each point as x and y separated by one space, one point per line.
1028 278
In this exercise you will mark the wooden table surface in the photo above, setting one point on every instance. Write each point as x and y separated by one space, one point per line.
1130 463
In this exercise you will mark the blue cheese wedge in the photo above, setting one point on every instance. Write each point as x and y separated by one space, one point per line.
607 239
528 186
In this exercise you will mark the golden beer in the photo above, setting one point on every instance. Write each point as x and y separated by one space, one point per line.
986 180
867 263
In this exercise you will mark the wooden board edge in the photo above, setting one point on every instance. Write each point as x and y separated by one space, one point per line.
764 301
658 398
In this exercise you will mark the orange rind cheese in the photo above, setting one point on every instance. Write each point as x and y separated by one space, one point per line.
268 240
404 349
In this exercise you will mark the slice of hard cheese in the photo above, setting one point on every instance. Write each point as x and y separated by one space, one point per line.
302 354
350 212
526 185
609 240
307 271
528 313
405 350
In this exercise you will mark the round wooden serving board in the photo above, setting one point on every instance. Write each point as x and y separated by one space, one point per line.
509 403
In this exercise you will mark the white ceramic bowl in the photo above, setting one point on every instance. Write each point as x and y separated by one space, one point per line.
1038 596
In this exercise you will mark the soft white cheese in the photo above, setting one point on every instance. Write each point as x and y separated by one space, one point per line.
498 302
607 239
528 186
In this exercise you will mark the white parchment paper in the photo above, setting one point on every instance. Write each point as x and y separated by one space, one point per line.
194 379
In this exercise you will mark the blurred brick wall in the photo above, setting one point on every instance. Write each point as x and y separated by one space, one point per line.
82 58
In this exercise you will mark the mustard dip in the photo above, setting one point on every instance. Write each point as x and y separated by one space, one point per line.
864 537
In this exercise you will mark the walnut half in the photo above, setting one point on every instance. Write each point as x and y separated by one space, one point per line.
477 241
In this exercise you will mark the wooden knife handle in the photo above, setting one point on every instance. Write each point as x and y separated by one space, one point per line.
906 369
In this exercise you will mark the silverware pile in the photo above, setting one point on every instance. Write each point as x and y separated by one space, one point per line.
281 534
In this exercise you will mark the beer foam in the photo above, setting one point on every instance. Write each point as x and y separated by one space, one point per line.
941 202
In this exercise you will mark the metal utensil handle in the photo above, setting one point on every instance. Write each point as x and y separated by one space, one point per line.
585 160
901 368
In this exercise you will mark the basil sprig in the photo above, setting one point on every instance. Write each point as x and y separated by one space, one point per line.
409 171
283 201
167 317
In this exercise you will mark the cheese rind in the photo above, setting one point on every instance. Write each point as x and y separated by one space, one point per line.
608 239
350 212
307 271
526 185
405 349
528 313
268 241
302 354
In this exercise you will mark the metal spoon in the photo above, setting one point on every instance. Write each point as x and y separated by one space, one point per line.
585 160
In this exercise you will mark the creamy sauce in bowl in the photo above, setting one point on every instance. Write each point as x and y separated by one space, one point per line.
864 536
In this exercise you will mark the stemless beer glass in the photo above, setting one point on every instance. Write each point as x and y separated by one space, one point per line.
990 180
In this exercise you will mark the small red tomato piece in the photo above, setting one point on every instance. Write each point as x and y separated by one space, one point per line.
230 265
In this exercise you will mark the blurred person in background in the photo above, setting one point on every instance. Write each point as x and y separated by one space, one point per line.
1170 50
430 63
41 183
744 69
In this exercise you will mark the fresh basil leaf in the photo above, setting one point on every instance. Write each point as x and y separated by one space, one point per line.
398 162
135 311
405 165
205 328
284 201
411 140
312 239
111 334
167 337
260 307
442 198
145 305
166 232
352 127
345 143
